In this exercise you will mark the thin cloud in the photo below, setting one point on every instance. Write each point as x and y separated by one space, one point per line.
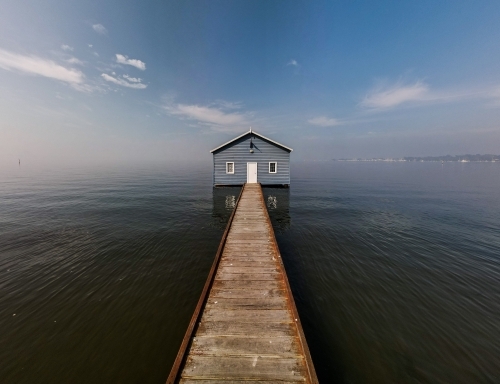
389 97
207 115
132 79
99 28
34 65
293 63
65 47
74 60
496 93
227 104
122 59
124 82
419 93
324 121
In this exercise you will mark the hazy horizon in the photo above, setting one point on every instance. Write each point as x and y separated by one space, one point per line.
137 83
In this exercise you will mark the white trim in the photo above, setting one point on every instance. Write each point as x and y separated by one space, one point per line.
230 162
275 166
256 134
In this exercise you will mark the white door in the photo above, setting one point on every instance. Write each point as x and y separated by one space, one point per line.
251 172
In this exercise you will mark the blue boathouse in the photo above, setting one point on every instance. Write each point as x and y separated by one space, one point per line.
251 158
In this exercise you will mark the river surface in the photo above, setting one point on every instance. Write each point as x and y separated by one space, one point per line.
395 269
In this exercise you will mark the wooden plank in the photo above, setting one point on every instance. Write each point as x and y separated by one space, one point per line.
248 238
237 269
247 276
249 284
246 293
263 302
277 347
248 251
249 245
249 248
252 251
245 229
244 368
228 328
242 244
246 261
249 315
250 260
208 381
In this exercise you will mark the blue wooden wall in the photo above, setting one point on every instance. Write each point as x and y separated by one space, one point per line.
239 153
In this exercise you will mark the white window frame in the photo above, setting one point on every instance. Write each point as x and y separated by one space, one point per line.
275 166
230 162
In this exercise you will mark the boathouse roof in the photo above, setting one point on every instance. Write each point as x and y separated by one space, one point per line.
250 132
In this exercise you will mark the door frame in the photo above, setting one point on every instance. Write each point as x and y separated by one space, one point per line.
256 172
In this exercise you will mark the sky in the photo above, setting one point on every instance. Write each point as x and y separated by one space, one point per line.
166 81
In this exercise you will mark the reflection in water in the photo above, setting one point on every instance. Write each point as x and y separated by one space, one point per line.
224 200
230 201
272 202
278 205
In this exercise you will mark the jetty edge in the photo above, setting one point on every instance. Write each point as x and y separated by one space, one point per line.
245 326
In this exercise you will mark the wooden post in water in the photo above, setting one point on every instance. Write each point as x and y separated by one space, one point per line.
245 326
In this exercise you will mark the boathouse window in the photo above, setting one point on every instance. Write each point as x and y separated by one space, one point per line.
272 167
229 167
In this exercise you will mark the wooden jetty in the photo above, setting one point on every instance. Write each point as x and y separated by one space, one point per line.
245 326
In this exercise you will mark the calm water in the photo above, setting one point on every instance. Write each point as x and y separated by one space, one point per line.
395 269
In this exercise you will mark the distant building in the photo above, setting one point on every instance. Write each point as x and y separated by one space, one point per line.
251 158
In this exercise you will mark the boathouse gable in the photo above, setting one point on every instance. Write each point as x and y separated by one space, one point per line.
230 161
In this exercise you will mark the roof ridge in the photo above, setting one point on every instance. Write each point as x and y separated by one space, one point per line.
255 133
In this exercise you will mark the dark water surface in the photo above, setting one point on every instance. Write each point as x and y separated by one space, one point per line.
395 269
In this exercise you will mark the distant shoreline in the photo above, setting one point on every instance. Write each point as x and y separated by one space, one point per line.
443 159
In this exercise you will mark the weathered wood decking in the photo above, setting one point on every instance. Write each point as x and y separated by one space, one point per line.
246 326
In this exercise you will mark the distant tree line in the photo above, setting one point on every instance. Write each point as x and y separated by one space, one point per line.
455 158
458 158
